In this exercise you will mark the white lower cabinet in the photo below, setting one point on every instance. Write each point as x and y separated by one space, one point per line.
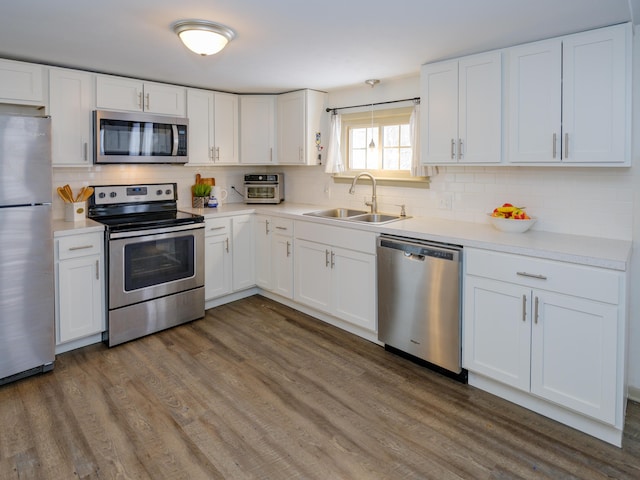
549 329
217 254
274 254
229 257
335 272
79 287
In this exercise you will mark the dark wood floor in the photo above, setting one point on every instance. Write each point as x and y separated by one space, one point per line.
258 391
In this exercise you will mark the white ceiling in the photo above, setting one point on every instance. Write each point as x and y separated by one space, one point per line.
284 45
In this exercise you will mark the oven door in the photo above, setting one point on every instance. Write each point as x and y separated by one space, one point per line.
262 193
147 265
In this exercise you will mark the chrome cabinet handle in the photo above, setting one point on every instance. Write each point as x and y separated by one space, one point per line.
535 314
333 259
531 275
81 247
271 154
140 100
148 103
86 151
281 228
326 258
453 148
555 138
217 158
288 249
566 145
524 308
460 154
217 228
226 243
97 269
266 227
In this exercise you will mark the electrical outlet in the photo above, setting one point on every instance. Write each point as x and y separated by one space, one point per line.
445 201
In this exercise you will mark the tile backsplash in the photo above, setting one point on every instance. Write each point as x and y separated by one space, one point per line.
584 201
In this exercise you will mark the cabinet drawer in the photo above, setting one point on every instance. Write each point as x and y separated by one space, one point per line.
577 280
217 226
283 226
357 240
80 245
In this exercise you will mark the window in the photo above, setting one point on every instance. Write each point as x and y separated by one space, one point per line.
378 143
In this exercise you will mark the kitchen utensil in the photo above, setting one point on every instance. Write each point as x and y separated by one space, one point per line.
64 195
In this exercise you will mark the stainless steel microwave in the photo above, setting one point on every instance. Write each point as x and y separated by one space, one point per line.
132 137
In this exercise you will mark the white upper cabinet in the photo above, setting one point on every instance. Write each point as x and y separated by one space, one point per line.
225 127
257 129
213 127
569 99
71 104
301 126
21 83
118 93
461 119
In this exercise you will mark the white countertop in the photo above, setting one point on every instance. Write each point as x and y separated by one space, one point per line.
62 228
593 251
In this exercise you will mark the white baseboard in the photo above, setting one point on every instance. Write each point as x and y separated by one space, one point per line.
634 394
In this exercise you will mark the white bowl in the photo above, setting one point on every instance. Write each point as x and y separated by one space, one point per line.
511 225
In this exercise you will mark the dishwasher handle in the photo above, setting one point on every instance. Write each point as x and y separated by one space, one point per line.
418 250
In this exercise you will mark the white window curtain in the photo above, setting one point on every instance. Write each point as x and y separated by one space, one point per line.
418 170
334 156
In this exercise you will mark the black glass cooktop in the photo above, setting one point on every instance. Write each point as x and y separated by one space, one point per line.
144 221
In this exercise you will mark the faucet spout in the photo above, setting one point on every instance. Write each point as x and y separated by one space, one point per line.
374 199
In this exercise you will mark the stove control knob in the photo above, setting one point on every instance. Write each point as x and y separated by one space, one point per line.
102 195
113 194
168 191
158 192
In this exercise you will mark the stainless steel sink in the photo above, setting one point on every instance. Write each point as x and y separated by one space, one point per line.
337 213
376 218
351 215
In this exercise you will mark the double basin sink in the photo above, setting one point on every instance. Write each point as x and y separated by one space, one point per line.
361 216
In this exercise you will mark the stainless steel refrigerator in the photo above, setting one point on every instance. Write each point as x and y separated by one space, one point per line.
27 339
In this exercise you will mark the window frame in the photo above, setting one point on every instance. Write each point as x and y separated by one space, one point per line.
381 117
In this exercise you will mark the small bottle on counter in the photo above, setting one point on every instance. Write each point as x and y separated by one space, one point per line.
213 202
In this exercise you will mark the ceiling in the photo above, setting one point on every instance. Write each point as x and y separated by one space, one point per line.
284 45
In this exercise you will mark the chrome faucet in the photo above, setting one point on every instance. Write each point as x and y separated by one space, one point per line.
374 199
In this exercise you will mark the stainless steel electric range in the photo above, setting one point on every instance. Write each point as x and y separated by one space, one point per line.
155 255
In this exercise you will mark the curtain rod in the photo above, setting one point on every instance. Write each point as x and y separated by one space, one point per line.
335 109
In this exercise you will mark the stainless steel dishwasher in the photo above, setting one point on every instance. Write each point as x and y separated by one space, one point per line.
419 305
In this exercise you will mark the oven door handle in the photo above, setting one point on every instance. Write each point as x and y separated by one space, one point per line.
156 231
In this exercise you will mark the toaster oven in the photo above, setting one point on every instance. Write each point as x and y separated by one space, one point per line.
264 187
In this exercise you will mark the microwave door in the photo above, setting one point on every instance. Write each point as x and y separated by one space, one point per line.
146 144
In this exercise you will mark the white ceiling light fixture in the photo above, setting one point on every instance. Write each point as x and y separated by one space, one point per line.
202 36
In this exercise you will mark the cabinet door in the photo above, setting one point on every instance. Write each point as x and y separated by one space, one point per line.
117 93
312 275
439 112
80 298
21 82
497 330
480 109
257 129
354 287
200 110
282 254
291 128
243 252
263 235
535 99
225 127
574 353
217 274
165 99
594 98
70 106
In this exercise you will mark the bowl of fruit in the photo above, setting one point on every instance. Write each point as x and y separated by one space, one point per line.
508 218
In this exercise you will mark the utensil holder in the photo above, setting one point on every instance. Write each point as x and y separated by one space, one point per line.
75 212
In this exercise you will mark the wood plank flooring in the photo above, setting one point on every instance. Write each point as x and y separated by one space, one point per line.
256 390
